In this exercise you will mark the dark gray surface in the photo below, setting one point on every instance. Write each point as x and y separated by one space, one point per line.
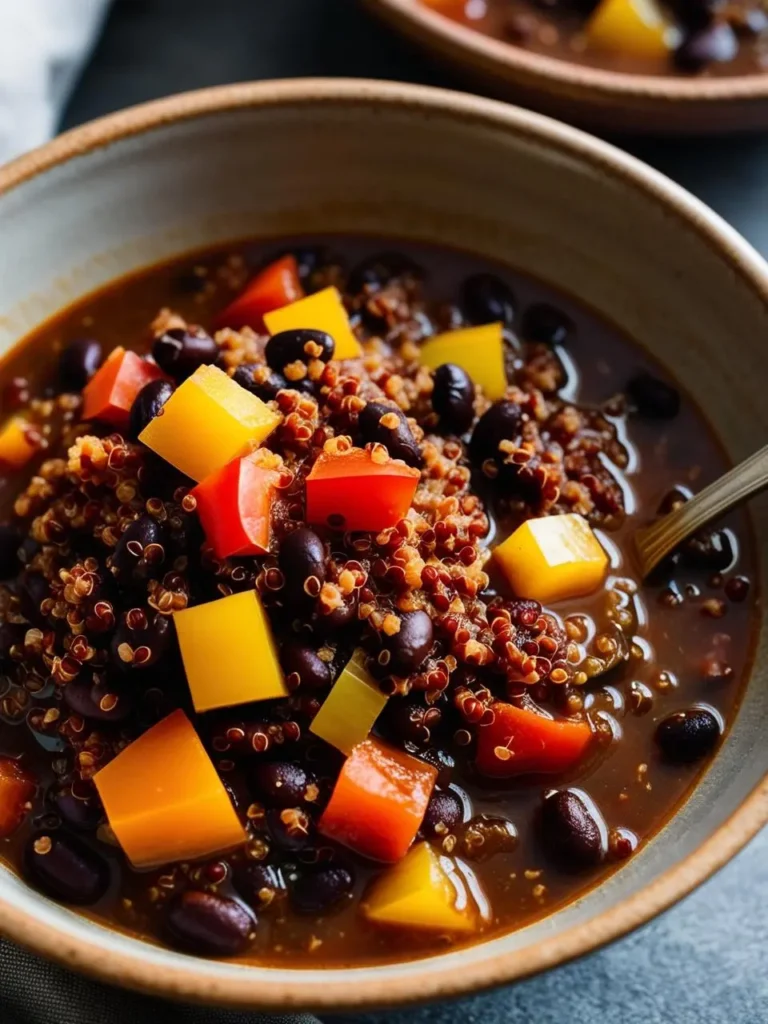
701 963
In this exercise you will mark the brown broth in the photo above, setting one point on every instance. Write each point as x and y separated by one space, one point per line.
632 786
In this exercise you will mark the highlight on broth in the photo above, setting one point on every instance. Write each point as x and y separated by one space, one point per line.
320 637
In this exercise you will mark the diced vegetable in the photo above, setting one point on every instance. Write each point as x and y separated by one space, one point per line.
17 787
164 799
634 27
379 801
235 506
109 394
553 558
228 652
355 490
477 350
208 421
17 445
351 708
276 285
323 311
519 741
423 891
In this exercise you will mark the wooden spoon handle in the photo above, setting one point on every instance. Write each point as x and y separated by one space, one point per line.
654 542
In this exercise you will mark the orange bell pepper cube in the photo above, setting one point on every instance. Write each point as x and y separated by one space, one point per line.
164 799
17 443
235 507
379 801
355 490
520 741
17 787
275 286
109 395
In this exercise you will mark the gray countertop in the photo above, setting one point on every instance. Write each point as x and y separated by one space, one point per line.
702 962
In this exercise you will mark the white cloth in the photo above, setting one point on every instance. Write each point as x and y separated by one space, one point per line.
43 45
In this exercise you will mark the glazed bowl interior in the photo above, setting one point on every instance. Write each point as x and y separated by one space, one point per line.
591 96
312 156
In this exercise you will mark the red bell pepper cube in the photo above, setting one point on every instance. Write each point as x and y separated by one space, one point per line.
109 395
275 286
17 787
235 506
379 801
352 490
519 741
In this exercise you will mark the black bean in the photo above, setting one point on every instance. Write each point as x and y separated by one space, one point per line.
453 398
63 867
445 812
688 735
11 635
545 324
312 671
265 384
206 923
694 15
281 783
139 553
82 815
501 422
301 556
653 398
751 22
714 44
180 351
317 892
398 440
672 500
291 829
147 404
486 836
259 884
412 643
443 761
298 345
10 542
78 363
157 637
32 589
572 832
486 299
100 702
376 272
310 259
712 551
329 623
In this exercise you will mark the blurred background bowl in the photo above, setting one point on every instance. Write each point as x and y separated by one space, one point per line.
589 96
409 162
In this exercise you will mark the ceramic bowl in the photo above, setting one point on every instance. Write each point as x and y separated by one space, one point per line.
595 98
354 156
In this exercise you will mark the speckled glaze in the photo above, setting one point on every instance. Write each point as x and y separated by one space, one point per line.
593 97
335 155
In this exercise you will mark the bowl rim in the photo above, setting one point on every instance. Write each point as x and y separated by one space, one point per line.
429 981
565 78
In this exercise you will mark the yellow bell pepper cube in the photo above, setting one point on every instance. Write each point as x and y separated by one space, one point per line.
351 708
323 311
228 652
634 27
553 558
423 891
16 445
478 350
164 799
207 422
